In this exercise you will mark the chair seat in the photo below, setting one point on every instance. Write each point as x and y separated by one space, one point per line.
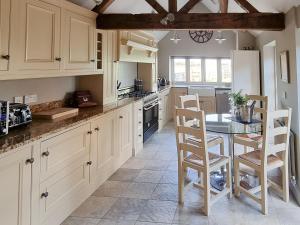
255 158
250 137
213 159
209 137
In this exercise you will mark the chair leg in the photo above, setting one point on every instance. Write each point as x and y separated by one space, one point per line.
222 152
237 191
285 183
206 193
229 179
180 184
264 192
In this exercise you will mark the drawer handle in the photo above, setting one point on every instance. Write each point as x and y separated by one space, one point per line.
140 135
140 109
97 129
140 122
121 117
89 132
5 57
93 60
29 161
46 154
58 59
89 163
44 195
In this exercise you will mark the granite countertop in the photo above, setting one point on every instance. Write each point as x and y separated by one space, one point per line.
162 88
41 128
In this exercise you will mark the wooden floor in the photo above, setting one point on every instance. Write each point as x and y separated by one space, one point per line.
144 192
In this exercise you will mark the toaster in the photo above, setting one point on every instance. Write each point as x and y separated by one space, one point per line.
4 117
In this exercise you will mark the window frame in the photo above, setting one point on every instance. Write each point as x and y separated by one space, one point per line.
203 70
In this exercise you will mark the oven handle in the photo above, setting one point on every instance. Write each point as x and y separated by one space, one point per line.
151 106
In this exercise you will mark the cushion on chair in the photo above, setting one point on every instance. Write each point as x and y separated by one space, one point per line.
255 157
213 158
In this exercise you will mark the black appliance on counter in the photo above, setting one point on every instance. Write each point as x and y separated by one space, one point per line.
138 85
150 113
4 119
19 114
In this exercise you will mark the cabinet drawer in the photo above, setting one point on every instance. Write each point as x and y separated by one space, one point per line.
63 149
65 192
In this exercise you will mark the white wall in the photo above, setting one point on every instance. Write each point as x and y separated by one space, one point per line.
47 89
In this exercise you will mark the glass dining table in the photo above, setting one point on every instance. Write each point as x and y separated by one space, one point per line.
229 125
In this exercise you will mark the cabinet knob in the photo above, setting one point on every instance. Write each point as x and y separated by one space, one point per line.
140 109
121 117
44 195
140 135
46 154
93 60
90 132
89 163
140 122
58 59
97 129
29 161
5 57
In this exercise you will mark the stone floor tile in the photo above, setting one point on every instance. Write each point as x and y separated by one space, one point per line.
81 221
165 192
111 189
139 190
148 176
124 174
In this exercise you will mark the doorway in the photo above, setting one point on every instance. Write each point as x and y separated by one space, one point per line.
269 75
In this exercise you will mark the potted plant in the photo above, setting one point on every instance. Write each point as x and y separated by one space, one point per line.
241 109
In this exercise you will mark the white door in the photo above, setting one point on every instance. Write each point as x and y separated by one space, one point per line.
269 75
4 33
39 36
15 188
78 42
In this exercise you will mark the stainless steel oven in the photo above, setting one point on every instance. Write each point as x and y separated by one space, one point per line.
150 125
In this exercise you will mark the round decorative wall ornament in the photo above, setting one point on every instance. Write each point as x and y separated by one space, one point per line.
201 36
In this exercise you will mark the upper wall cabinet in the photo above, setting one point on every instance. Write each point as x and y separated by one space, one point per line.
39 36
78 42
136 46
4 33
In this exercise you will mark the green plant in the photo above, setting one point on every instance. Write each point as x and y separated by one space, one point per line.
237 99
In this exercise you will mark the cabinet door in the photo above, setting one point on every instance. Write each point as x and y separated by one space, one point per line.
102 149
111 71
39 36
137 127
4 33
125 127
15 188
78 42
101 53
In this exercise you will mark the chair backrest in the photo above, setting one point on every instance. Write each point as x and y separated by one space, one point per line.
198 131
190 102
261 103
276 134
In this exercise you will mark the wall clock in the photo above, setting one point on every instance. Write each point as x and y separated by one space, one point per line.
201 36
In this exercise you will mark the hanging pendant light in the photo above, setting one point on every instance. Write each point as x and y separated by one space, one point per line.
175 38
220 38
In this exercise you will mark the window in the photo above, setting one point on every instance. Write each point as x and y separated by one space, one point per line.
180 70
201 70
195 70
211 70
226 70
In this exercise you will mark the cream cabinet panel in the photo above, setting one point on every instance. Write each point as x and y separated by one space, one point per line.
39 36
15 188
137 127
63 192
101 50
78 42
111 71
125 136
5 6
103 149
61 150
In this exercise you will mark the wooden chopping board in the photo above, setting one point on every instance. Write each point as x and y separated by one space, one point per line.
57 113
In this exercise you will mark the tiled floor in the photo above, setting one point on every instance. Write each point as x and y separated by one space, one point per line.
144 192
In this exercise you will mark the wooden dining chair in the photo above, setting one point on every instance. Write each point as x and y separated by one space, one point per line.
253 141
271 155
192 102
196 156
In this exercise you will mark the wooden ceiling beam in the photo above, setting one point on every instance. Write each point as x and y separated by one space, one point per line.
188 6
103 6
244 4
156 6
223 6
172 6
244 21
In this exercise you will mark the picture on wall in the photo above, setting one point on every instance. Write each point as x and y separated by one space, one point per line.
284 66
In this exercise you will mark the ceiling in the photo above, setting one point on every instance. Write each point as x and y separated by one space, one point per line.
141 6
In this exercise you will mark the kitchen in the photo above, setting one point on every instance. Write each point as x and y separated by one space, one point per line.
82 104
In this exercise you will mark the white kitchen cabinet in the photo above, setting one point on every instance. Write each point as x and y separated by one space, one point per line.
38 36
101 50
5 6
103 149
124 128
165 113
111 69
78 42
16 187
137 127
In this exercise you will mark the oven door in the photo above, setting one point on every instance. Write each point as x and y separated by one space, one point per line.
150 119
